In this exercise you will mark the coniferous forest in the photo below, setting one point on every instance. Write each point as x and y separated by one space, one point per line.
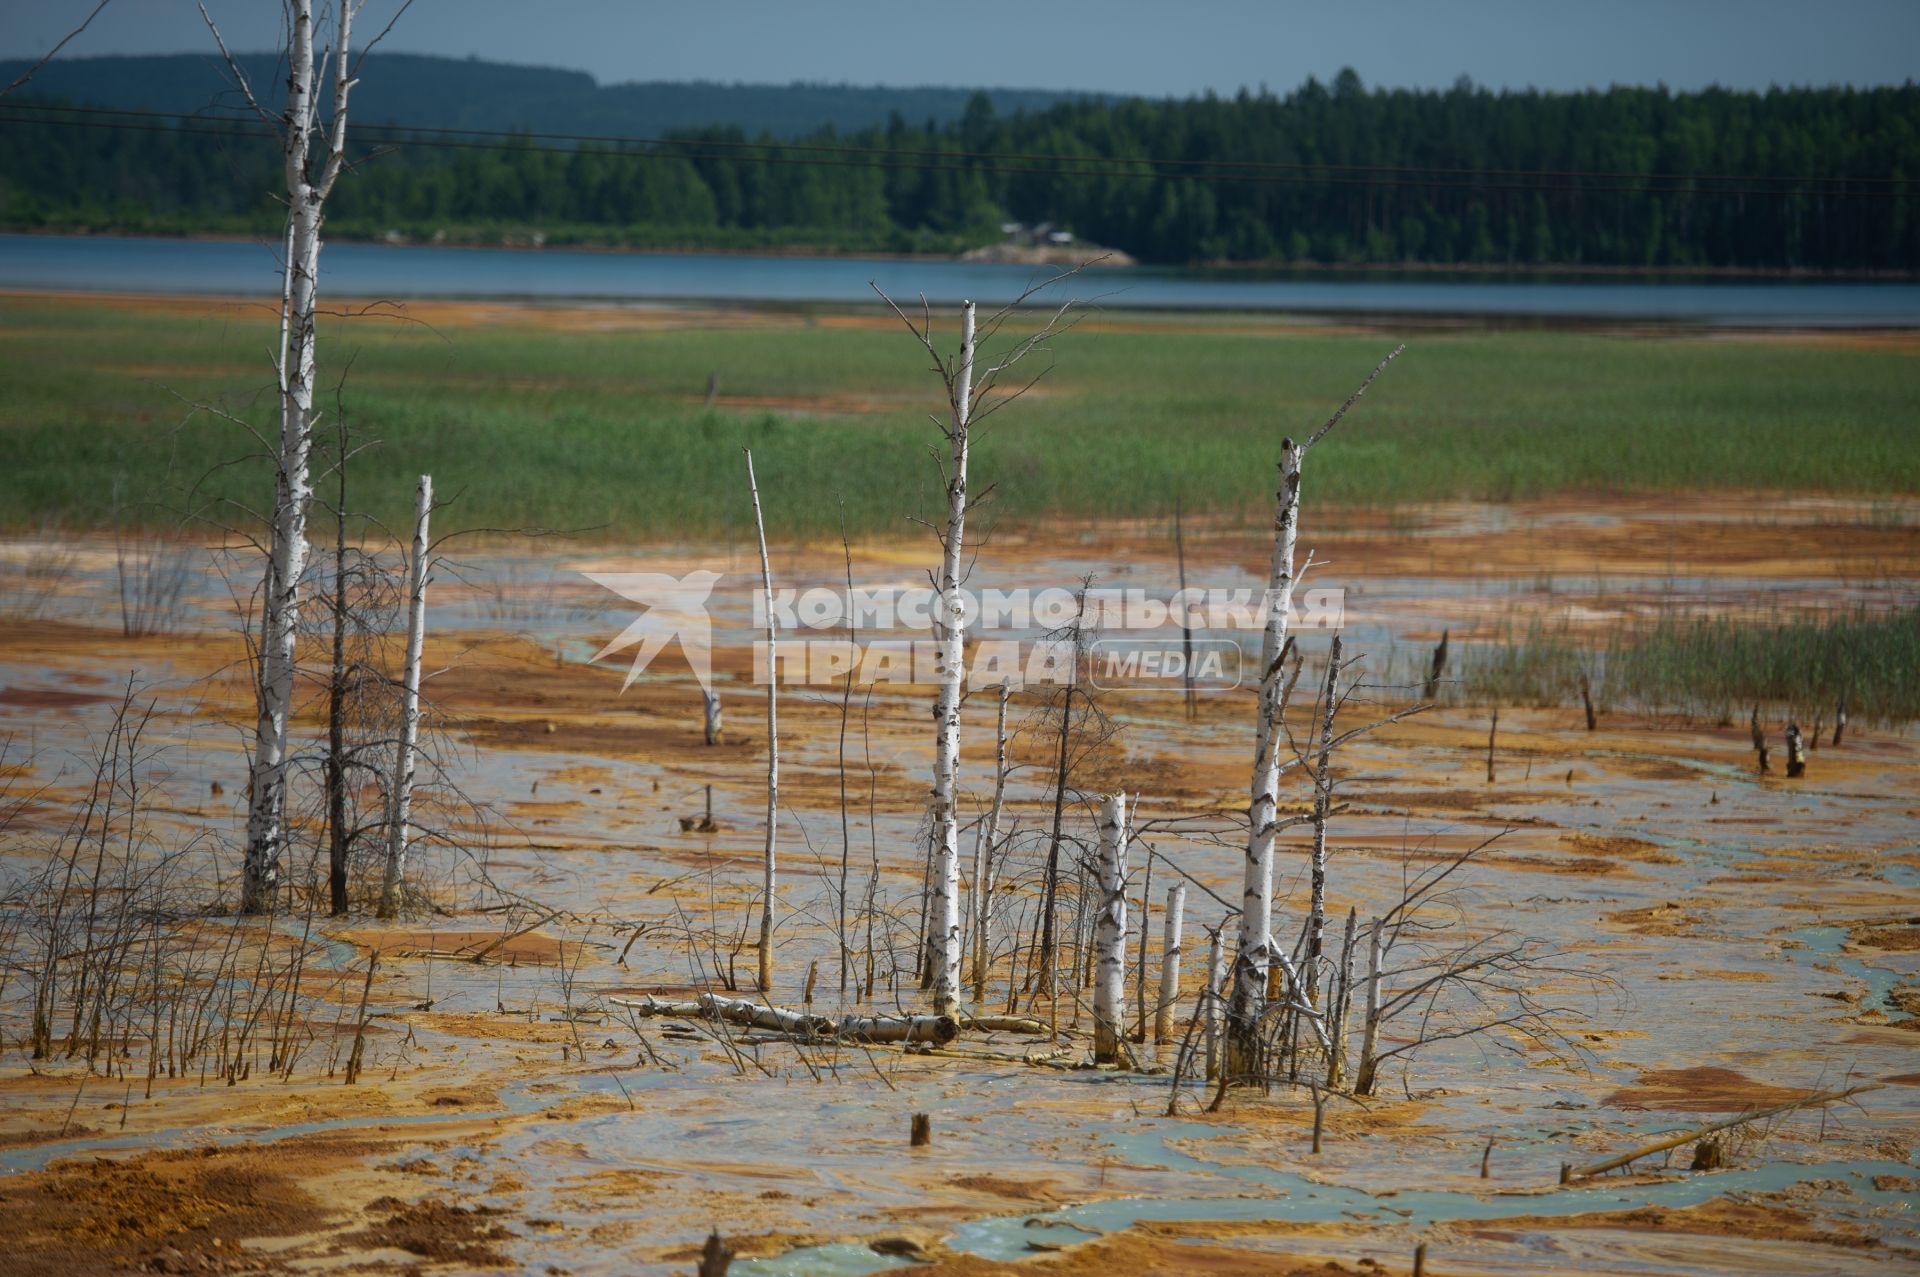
1331 173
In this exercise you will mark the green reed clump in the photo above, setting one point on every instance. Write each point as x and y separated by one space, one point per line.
1712 667
1715 666
1541 667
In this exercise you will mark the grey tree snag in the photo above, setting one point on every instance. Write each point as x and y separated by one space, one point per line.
400 793
949 629
1170 962
1322 800
1110 934
713 726
1255 956
1796 752
1215 1001
1363 1080
986 843
293 490
773 739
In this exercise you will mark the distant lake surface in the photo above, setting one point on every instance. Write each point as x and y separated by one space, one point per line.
170 266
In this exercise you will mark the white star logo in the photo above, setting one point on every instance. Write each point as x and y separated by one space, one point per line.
673 607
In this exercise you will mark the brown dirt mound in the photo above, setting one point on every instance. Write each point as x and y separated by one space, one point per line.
437 1231
179 1209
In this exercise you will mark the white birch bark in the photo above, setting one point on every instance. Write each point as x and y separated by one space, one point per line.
1342 996
1170 962
1370 1027
987 841
1215 1004
773 737
950 633
293 489
1110 933
400 792
937 1029
1255 956
1322 796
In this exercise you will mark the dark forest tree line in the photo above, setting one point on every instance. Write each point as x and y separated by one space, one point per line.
1800 178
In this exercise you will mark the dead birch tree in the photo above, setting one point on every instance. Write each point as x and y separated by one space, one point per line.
302 136
986 843
400 795
1257 952
966 403
1215 996
1170 963
949 628
1110 934
773 737
1322 800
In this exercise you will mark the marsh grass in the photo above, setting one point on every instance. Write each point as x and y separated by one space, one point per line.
536 425
1715 667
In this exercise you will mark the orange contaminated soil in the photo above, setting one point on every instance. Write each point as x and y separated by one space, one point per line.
1901 937
1728 1010
1136 1251
1717 1218
196 1210
646 316
1701 1090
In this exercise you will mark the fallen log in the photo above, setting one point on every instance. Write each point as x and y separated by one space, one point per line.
1003 1024
1689 1137
937 1029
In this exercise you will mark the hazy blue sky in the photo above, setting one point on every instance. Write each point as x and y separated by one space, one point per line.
1130 46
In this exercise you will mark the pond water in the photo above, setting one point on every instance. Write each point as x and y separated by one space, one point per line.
227 267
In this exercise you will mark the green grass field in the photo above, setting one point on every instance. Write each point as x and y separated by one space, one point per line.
532 425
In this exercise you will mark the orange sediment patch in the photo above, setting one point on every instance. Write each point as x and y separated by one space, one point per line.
1717 1218
490 946
1701 1090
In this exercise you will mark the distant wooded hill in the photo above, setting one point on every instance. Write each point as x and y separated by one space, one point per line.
467 93
1331 173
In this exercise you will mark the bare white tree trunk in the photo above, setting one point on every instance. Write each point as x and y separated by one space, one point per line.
985 844
1170 962
1216 993
711 702
1322 800
950 634
1110 933
773 736
1370 1027
293 490
1342 996
1255 954
400 794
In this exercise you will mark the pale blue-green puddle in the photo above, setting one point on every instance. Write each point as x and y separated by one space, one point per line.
1301 1200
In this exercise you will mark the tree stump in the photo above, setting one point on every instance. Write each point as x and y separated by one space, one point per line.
1796 752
